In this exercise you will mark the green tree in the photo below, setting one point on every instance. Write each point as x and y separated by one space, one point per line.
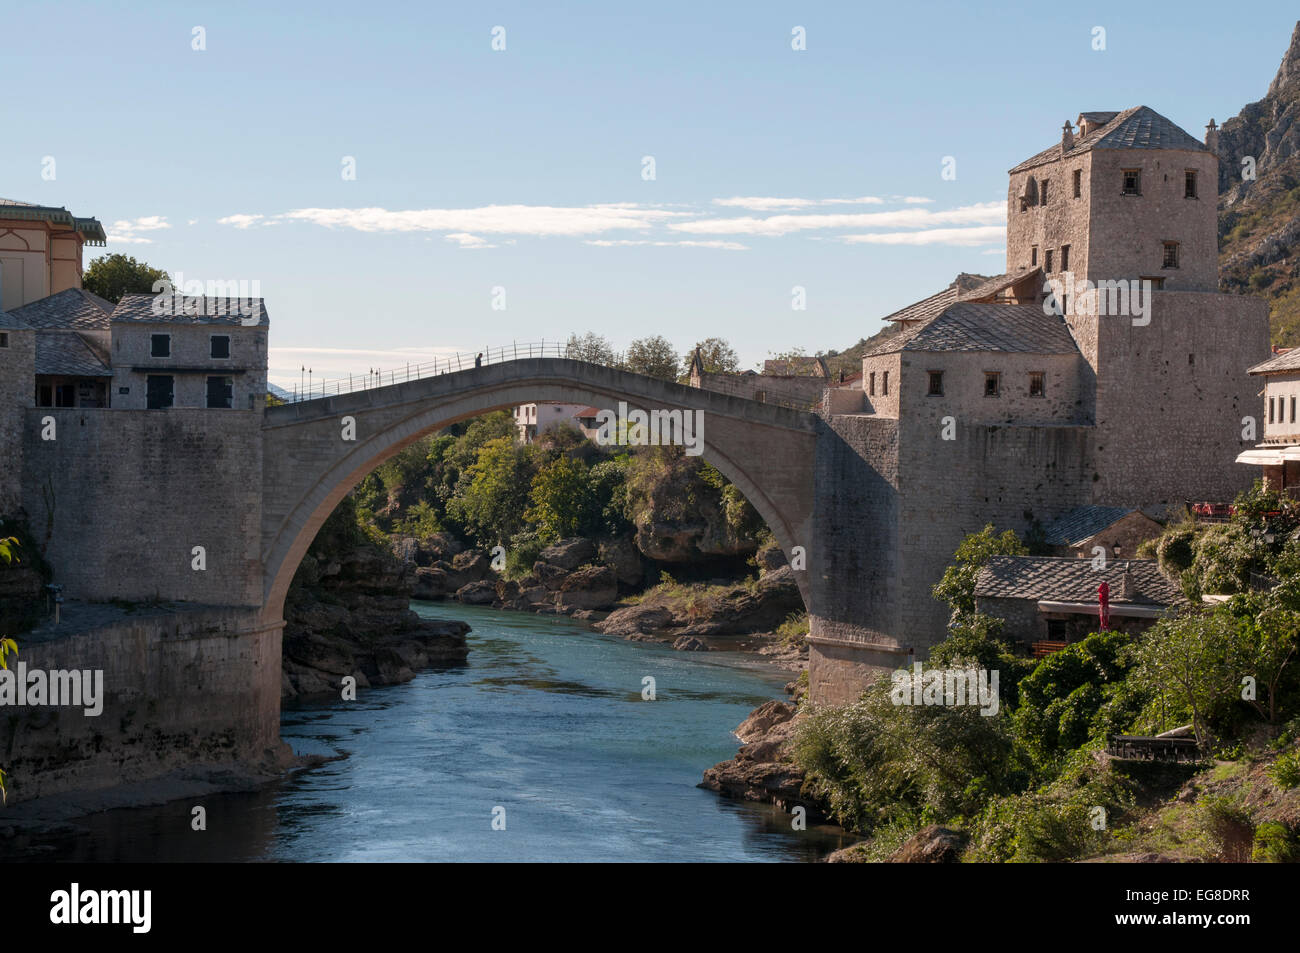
653 356
492 494
1194 663
717 355
560 498
590 347
957 587
112 276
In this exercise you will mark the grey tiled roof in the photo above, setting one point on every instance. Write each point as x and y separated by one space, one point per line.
1137 128
1286 361
930 307
11 323
73 308
986 326
1082 522
1065 579
66 352
139 308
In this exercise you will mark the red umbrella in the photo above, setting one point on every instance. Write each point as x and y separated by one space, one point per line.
1103 604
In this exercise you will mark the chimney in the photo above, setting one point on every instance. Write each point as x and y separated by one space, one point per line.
1212 137
1067 137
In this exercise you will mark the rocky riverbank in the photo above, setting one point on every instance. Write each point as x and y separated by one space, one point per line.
602 582
349 613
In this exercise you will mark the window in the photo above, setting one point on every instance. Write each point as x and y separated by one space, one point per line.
760 396
1078 183
1293 409
158 391
1043 193
220 346
65 395
884 388
1036 388
4 338
991 383
1171 255
936 383
220 390
1189 184
1272 409
1156 281
44 395
160 345
1047 261
1132 182
1191 360
1033 256
1065 257
1058 630
871 384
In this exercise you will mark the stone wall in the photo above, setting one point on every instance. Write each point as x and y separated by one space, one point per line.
119 499
17 374
1170 398
1007 476
963 388
181 688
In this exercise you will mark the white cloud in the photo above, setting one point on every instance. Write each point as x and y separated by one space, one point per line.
535 220
611 243
777 225
934 236
766 204
241 220
466 240
124 230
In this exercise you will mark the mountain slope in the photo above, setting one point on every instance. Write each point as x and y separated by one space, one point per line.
1259 220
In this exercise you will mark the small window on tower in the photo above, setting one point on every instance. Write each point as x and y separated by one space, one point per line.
884 387
1078 183
1047 261
936 384
1043 200
1189 185
1033 256
1293 409
1065 257
1171 255
160 345
4 338
1036 388
1132 182
991 383
871 384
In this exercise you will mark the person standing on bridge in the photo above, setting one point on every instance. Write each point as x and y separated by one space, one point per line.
478 361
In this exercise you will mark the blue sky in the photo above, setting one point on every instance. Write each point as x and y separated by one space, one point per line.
523 168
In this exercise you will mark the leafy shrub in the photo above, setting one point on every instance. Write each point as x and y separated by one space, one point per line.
1274 844
1285 771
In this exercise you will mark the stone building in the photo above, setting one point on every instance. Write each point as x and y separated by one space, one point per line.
198 352
1102 369
1117 530
1055 599
1278 453
40 251
534 419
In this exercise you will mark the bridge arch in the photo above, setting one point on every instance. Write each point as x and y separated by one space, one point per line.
768 452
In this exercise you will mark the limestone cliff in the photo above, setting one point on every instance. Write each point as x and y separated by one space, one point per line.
1259 218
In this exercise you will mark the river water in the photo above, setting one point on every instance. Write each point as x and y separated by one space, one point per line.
545 731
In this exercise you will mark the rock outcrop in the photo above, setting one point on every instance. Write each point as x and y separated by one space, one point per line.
348 613
762 769
735 609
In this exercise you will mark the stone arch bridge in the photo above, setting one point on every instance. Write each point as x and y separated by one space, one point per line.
768 452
